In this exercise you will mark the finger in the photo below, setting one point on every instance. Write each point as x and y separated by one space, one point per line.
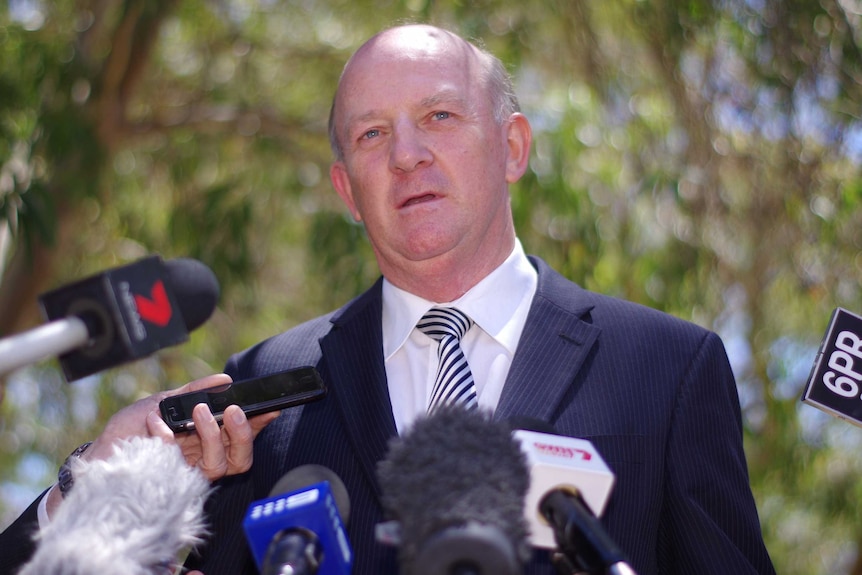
213 461
157 427
240 438
258 422
213 380
209 381
190 444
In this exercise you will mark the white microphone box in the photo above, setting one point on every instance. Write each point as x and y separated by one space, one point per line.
558 462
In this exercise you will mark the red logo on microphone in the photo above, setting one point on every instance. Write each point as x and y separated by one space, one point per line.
562 451
157 308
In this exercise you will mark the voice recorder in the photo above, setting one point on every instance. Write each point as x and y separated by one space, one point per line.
255 396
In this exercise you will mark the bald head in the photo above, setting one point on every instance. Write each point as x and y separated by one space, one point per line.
421 42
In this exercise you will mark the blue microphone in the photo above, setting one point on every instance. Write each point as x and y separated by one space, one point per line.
299 529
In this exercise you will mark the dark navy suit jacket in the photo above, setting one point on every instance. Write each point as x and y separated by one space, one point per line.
655 395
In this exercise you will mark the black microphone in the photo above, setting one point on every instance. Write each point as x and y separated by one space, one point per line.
455 482
569 486
299 529
116 316
135 512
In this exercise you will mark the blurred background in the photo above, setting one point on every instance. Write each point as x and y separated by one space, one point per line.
700 157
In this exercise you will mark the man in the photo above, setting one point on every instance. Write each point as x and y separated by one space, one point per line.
427 138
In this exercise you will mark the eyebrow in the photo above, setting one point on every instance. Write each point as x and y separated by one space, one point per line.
444 96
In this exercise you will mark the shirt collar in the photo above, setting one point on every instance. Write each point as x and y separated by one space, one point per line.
491 303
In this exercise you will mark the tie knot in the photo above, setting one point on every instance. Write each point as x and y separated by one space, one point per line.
439 322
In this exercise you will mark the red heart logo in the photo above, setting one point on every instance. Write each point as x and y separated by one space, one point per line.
156 309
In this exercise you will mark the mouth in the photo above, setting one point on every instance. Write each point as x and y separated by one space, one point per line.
418 200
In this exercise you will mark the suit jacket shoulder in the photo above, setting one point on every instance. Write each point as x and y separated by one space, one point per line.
299 345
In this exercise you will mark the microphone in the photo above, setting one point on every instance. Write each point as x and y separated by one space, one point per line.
569 486
116 316
456 483
132 513
299 529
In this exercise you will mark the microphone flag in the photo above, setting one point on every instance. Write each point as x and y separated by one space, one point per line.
135 308
313 510
836 376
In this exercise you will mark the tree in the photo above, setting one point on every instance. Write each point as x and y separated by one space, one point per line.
698 157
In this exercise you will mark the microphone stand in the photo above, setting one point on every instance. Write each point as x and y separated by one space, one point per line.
584 548
295 550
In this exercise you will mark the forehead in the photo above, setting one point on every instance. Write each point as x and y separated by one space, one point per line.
417 43
423 59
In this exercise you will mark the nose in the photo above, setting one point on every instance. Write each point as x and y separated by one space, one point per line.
409 148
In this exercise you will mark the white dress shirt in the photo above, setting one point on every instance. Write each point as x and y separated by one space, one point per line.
498 304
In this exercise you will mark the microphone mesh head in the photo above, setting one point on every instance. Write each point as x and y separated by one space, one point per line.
195 287
134 513
452 469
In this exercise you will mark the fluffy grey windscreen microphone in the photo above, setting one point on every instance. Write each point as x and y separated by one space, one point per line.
452 469
132 513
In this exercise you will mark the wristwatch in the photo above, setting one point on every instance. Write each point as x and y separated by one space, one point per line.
64 477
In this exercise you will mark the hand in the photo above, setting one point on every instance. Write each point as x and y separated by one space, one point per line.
216 450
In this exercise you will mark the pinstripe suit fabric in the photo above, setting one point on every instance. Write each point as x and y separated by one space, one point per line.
654 394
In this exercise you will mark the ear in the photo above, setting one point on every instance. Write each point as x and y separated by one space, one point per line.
519 138
341 182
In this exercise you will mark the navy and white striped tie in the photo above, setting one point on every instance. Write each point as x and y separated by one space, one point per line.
453 384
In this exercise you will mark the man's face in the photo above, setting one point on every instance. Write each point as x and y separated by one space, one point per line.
426 167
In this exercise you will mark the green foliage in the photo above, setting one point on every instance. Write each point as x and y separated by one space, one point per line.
698 157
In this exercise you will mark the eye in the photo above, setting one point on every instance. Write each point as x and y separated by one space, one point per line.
370 134
441 115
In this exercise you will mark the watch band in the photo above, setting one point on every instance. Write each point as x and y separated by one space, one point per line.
64 477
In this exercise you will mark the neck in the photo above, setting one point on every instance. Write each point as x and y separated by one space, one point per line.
446 278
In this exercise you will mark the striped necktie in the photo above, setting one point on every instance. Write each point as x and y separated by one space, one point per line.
453 384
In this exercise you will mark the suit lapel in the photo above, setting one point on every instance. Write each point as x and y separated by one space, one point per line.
555 343
354 357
